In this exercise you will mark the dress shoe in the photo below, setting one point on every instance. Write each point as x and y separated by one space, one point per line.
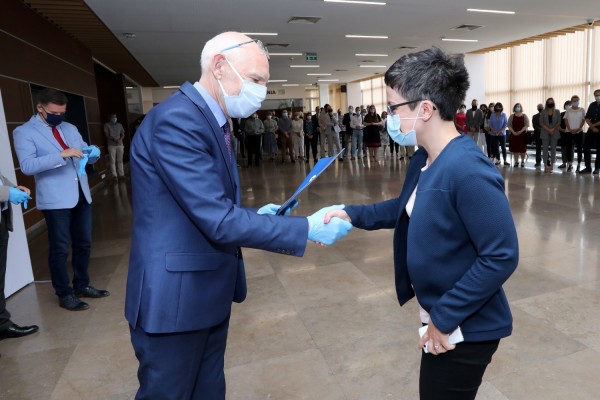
16 331
90 291
596 171
72 303
562 166
585 171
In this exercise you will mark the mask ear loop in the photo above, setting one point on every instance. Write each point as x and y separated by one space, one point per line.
236 72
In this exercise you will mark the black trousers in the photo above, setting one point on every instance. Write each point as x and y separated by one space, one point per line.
590 141
577 142
310 143
457 374
537 140
4 314
502 142
253 149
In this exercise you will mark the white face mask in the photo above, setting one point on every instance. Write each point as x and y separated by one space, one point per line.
394 122
248 101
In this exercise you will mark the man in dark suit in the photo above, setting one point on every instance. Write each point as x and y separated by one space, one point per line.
186 265
9 193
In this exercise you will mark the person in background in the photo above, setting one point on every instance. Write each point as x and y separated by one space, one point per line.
114 132
592 137
298 135
333 136
550 123
474 120
270 141
565 141
237 128
326 128
9 193
254 129
498 122
450 186
357 134
341 131
372 137
316 129
346 120
285 136
460 119
310 139
574 121
488 132
54 152
385 137
537 132
518 123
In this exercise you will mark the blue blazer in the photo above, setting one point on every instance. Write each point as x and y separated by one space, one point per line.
56 179
460 244
186 265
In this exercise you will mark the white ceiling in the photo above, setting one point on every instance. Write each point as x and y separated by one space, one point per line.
169 35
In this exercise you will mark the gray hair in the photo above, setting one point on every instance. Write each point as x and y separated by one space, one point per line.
215 45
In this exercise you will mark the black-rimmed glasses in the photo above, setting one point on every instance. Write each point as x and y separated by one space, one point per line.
258 42
393 107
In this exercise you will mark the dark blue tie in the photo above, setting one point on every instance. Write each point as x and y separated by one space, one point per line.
227 135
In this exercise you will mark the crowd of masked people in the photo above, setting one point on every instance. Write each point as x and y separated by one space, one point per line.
295 136
546 131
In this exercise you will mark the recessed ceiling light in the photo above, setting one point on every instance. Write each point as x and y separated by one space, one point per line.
170 87
370 55
328 80
128 87
318 74
291 84
372 66
277 80
259 34
370 3
304 66
285 54
366 37
489 11
460 40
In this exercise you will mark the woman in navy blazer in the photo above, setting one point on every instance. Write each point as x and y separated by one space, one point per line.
449 249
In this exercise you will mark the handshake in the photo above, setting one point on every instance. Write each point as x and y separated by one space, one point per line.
326 226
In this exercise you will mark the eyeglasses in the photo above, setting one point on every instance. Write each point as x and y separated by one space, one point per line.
392 108
258 42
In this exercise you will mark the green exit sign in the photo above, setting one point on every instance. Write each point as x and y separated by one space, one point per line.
311 56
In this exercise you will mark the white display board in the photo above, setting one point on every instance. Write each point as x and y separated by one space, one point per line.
18 268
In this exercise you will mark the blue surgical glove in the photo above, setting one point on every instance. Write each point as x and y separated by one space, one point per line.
82 162
329 233
17 196
271 209
91 151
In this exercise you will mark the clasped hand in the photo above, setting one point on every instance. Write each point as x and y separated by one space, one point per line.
326 229
18 196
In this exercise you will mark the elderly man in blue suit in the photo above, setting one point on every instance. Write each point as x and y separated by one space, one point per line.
186 265
54 152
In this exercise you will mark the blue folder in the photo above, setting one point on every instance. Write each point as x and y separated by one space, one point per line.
319 167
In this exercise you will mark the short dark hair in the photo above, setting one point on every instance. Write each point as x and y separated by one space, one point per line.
53 96
431 75
499 105
515 106
596 91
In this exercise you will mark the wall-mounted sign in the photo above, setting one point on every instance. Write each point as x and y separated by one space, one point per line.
311 56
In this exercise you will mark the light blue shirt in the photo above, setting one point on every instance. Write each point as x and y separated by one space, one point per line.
212 104
4 205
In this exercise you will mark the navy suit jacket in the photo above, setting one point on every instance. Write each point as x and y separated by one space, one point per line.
186 265
56 178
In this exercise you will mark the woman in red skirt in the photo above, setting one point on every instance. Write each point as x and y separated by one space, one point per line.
518 123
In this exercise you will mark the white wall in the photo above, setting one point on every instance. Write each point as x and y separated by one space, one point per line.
354 94
18 271
475 64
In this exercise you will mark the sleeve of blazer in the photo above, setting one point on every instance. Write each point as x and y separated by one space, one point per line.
29 162
370 217
182 156
83 144
498 248
4 189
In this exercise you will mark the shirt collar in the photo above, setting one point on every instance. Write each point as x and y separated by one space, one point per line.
212 104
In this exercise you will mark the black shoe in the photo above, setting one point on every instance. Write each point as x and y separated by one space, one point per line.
586 171
537 165
16 331
293 161
562 166
507 164
596 171
72 303
569 168
90 291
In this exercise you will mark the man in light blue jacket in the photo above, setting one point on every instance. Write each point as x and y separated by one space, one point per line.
54 152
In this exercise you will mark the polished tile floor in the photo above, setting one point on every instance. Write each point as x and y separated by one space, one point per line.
328 326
